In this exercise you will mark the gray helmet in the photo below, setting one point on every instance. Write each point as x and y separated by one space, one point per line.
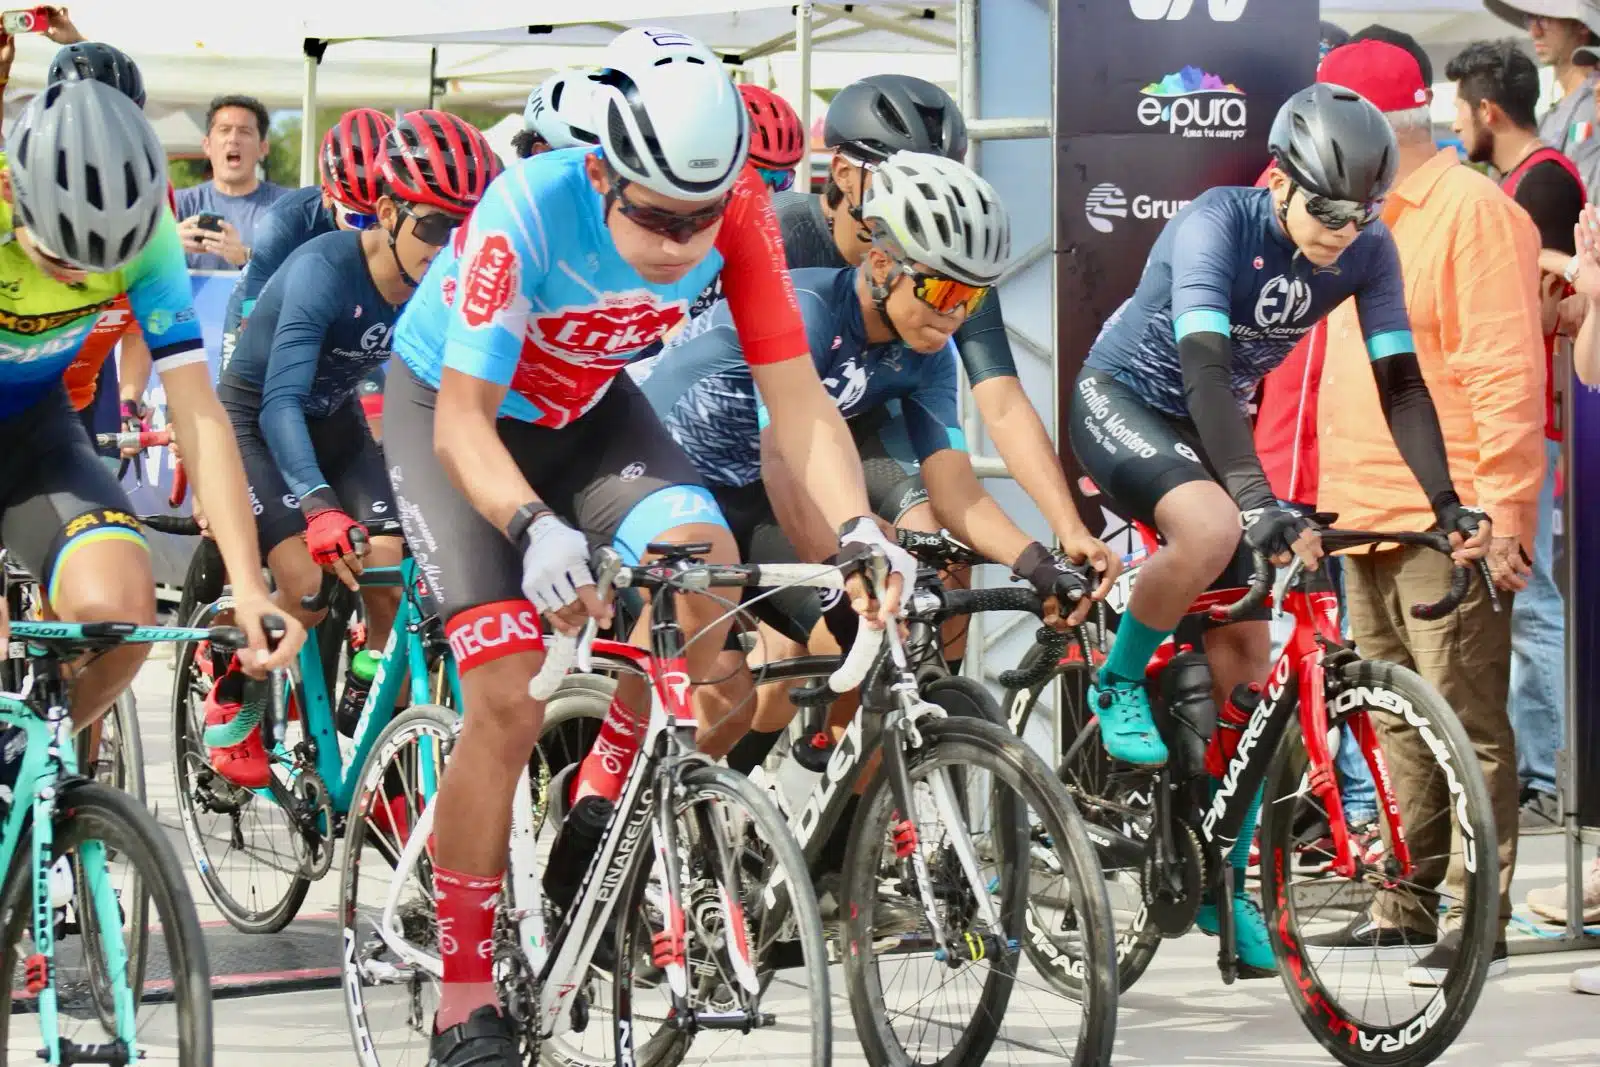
887 113
1334 143
88 175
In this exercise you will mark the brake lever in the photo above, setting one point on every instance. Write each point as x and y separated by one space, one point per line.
1488 584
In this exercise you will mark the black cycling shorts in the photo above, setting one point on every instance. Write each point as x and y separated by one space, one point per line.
56 493
1137 455
793 612
888 463
350 459
615 473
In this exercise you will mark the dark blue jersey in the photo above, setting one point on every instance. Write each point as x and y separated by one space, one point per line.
319 327
295 219
1225 265
700 384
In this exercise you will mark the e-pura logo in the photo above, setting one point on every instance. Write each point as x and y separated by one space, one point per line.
1192 103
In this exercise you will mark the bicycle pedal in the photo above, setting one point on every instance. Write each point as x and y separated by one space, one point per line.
36 972
666 949
905 838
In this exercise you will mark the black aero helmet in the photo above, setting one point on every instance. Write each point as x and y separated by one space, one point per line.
1334 143
887 113
93 61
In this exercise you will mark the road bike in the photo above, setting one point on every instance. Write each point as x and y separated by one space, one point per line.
259 850
675 883
119 862
1167 833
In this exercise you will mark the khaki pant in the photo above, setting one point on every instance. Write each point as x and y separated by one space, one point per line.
1466 656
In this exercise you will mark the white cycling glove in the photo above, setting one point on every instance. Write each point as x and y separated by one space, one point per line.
555 563
861 538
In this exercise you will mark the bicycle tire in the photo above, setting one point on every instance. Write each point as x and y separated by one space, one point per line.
973 745
668 1047
188 747
1346 1039
1086 776
91 811
416 719
128 777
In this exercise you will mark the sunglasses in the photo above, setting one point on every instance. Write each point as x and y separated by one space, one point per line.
779 181
1337 214
433 229
678 227
350 219
942 294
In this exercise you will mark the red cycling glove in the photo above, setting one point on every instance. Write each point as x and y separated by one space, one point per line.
328 536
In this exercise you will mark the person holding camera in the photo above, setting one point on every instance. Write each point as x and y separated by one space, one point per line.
218 217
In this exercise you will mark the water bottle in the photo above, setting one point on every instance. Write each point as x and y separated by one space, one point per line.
357 682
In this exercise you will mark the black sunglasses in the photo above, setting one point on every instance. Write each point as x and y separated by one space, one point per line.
675 226
432 229
1337 214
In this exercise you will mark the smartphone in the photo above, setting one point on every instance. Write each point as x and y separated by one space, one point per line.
33 20
207 221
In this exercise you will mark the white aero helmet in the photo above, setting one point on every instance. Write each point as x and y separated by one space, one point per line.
668 115
88 175
561 109
941 214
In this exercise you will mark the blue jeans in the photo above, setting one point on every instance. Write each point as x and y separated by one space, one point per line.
1538 653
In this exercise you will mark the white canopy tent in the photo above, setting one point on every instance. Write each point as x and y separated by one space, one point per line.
472 40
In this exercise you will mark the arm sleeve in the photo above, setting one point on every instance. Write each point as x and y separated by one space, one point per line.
985 349
755 276
311 301
162 298
1554 201
932 422
271 246
1414 424
1204 252
1496 353
503 257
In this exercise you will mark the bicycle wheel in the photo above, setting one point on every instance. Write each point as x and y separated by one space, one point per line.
244 845
389 1002
718 811
88 812
119 764
1009 791
1110 797
1449 830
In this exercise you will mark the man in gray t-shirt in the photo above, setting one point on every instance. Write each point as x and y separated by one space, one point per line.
235 142
1565 34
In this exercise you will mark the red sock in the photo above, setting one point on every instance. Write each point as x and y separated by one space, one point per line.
466 905
608 762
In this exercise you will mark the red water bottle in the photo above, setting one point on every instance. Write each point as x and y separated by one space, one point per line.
1231 721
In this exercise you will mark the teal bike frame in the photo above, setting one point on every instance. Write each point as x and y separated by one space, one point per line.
49 761
404 658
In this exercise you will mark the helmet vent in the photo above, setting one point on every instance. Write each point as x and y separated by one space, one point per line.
621 142
63 178
69 238
933 123
97 248
1339 163
91 188
890 115
128 244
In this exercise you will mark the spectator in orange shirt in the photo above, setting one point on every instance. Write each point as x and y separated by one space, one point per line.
1470 258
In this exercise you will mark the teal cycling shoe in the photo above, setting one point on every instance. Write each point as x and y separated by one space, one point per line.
1250 937
1126 727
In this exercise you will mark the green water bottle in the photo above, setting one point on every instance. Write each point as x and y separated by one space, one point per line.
357 682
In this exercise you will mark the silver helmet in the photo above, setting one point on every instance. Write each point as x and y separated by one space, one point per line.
88 175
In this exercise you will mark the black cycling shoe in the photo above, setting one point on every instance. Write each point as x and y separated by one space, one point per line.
486 1039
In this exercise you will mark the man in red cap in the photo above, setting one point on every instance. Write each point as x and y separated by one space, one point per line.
1470 259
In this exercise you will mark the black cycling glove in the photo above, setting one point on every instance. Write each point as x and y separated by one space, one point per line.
1050 575
1456 517
1272 530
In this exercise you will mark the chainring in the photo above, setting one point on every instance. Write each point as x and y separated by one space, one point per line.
1172 906
315 843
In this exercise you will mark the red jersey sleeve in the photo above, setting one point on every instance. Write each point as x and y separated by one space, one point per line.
755 276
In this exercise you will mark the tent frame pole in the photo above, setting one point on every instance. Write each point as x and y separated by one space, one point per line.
313 50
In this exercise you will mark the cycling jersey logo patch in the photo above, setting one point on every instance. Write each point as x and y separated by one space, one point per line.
1174 10
1282 302
629 322
491 281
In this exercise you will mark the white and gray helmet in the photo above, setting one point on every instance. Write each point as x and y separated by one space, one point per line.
88 175
561 109
941 214
669 116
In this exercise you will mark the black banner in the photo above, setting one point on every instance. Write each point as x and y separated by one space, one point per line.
1156 101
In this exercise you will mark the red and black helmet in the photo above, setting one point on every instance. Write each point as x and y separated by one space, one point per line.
434 157
351 158
776 140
